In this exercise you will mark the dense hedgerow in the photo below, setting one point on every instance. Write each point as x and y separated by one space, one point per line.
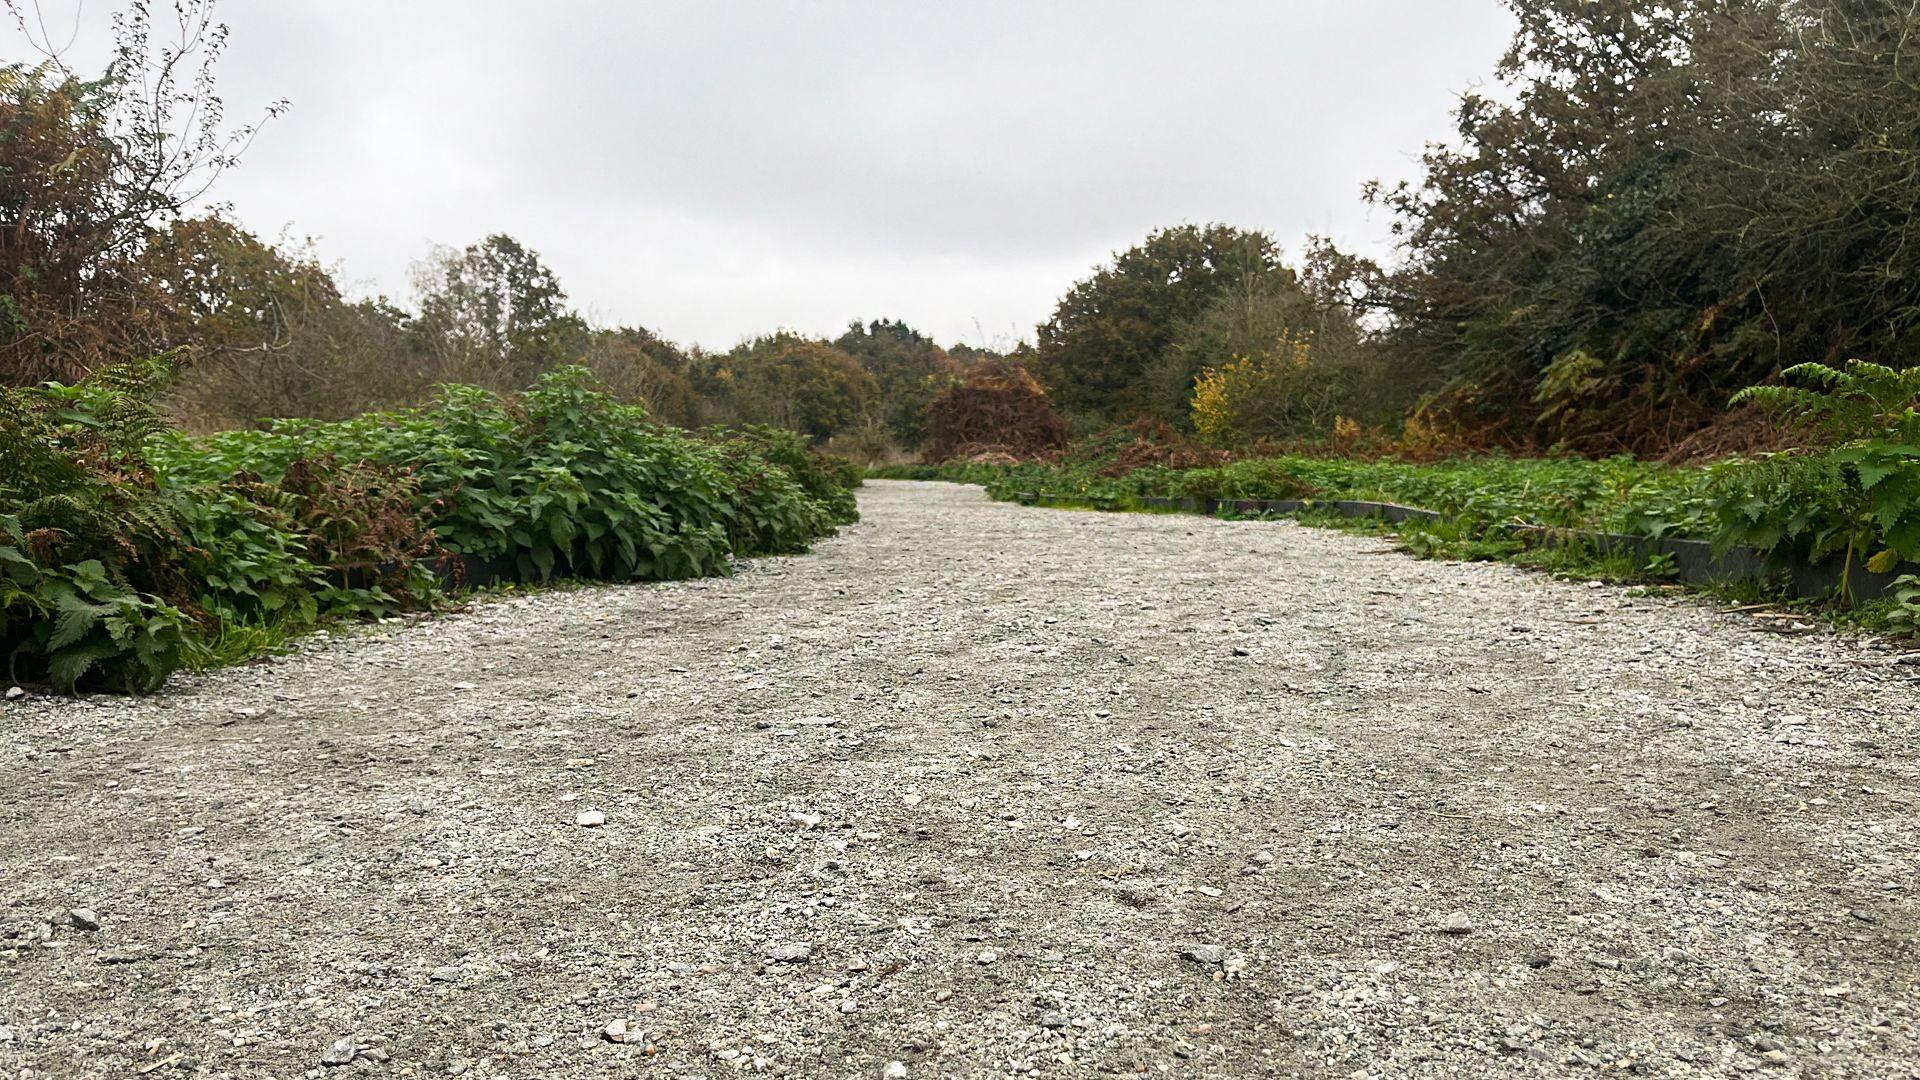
129 549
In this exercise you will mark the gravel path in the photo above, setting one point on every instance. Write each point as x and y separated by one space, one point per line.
978 790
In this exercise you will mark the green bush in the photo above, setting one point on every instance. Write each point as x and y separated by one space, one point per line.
128 549
826 478
77 622
86 533
1858 494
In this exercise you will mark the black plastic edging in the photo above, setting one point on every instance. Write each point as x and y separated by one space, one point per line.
1695 561
454 569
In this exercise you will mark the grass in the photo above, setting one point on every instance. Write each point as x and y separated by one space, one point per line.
235 640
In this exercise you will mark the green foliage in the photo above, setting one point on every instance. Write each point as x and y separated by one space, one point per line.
1859 495
128 549
1855 402
72 466
908 369
789 381
75 622
1660 565
1615 495
243 560
1665 202
565 481
1903 612
1096 353
825 478
87 538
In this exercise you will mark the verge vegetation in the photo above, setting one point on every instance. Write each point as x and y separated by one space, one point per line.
129 549
1855 496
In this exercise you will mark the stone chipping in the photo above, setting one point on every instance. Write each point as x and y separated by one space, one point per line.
983 790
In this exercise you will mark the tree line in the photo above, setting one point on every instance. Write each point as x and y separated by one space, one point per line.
1659 204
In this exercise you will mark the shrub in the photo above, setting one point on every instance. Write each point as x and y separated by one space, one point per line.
1255 395
76 622
998 406
565 481
1859 494
86 534
128 548
828 478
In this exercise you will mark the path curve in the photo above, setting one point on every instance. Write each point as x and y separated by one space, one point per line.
975 790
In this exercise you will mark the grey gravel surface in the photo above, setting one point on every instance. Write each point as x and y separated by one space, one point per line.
979 790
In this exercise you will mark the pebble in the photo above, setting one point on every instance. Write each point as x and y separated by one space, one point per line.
590 819
987 956
84 918
1456 922
794 952
340 1053
1205 954
616 1032
1326 1014
14 693
446 974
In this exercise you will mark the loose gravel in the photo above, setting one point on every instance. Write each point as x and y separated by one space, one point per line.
980 790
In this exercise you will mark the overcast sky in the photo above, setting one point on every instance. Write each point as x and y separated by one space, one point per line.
713 170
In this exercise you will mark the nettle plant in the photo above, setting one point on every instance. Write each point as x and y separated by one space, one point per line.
87 538
1859 494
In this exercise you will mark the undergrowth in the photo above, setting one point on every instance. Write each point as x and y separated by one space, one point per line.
129 549
1854 495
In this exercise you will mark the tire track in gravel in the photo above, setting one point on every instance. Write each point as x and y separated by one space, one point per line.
999 769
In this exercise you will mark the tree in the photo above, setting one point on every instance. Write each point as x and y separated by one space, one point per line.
1682 198
492 313
1097 353
271 333
800 383
88 169
1264 322
908 370
218 287
638 365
